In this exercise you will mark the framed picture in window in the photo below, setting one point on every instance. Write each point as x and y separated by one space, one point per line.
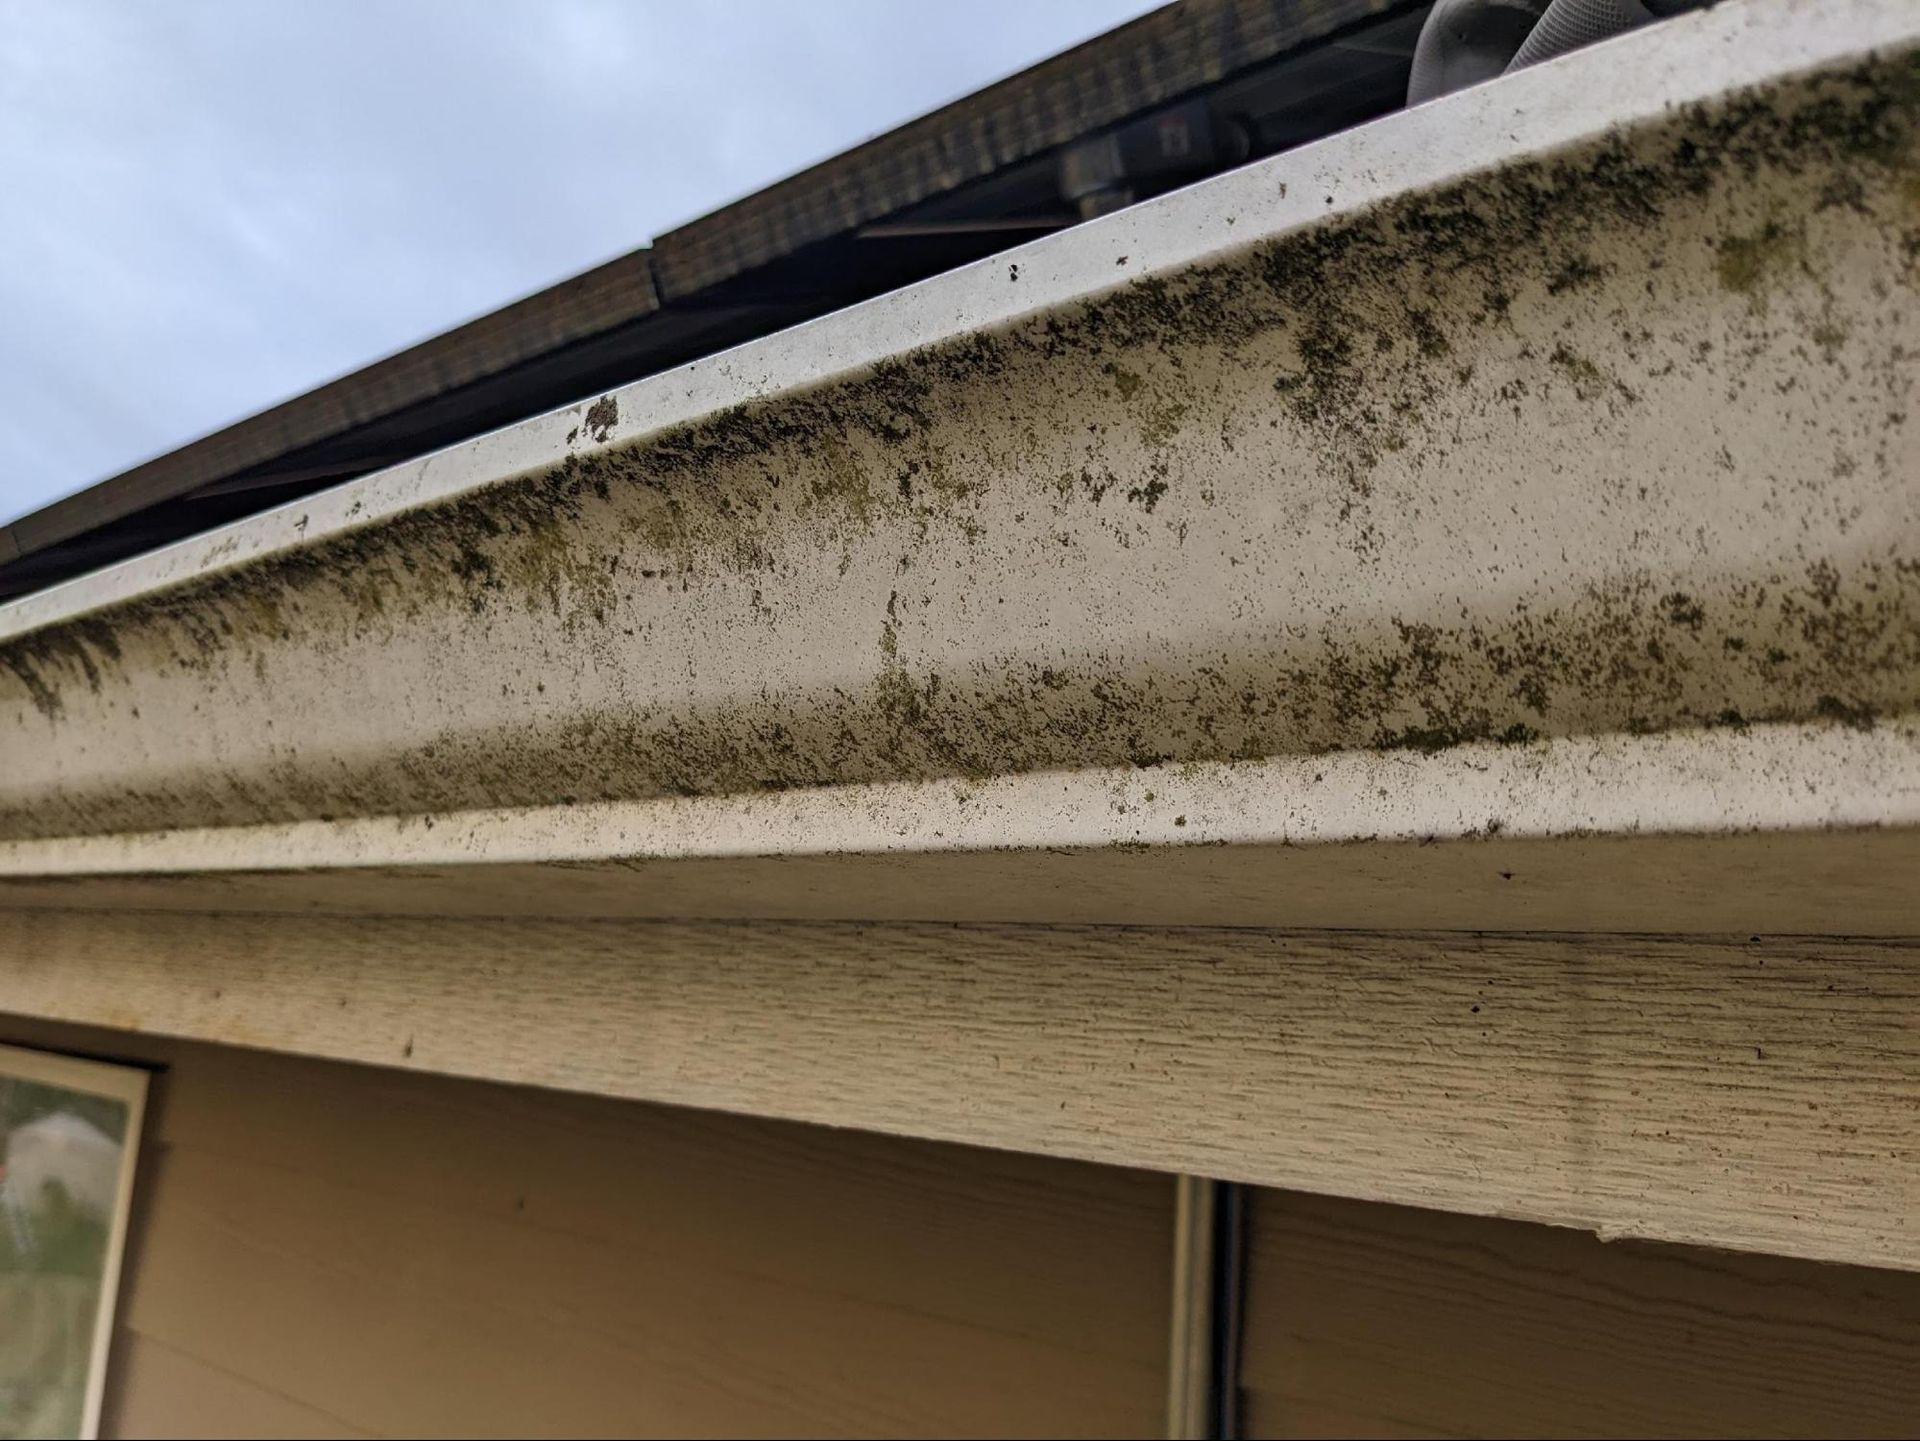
69 1134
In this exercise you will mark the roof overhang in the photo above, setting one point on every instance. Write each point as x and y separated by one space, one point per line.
969 179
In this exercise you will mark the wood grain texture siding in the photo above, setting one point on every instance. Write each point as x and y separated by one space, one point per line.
1753 1094
1369 1320
335 1246
159 1393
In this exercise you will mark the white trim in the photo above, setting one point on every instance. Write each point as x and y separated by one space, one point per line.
127 1085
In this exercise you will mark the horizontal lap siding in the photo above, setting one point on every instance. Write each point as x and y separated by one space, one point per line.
1387 1321
321 1247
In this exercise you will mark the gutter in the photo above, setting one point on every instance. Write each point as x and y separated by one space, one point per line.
1560 419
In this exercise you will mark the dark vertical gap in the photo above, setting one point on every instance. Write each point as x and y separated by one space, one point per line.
1228 1290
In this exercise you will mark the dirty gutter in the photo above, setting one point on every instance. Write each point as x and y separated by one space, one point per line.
1525 478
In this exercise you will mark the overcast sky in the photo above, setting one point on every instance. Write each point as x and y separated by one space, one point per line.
209 205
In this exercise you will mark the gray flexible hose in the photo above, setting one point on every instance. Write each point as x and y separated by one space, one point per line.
1571 24
1466 41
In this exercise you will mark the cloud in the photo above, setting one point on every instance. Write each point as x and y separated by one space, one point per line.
213 204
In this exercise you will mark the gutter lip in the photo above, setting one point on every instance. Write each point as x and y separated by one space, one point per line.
1774 778
1633 78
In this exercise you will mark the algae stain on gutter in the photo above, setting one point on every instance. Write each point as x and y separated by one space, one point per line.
910 456
1749 263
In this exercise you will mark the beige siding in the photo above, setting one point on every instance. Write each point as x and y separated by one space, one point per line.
1751 1092
327 1248
1374 1320
163 1393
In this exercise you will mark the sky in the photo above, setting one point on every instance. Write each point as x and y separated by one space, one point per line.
207 206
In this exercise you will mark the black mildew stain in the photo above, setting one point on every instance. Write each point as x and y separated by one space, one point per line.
601 418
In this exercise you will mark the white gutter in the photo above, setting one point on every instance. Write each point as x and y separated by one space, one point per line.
1559 427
